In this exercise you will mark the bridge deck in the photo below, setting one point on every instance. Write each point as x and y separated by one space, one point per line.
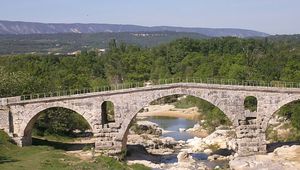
119 89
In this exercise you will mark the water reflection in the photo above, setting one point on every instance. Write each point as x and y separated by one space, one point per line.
172 125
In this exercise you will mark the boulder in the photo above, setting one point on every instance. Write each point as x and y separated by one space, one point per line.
168 142
146 127
207 151
285 157
185 157
181 129
195 128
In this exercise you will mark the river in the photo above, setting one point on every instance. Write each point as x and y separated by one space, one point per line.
171 127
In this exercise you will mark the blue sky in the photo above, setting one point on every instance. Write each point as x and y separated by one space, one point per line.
271 16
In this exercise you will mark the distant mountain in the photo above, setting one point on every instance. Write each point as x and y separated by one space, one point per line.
17 27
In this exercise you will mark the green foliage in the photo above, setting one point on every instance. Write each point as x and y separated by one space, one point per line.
291 115
14 83
270 59
213 116
65 43
166 100
291 112
214 119
250 103
61 122
228 58
108 109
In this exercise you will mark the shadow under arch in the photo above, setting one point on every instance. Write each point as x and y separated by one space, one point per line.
126 124
27 133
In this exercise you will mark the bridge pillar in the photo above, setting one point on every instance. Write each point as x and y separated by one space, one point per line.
22 140
107 139
4 118
251 139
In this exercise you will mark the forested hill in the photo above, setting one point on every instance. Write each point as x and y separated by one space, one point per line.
17 27
269 59
70 42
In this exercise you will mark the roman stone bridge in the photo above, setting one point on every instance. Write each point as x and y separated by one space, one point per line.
17 116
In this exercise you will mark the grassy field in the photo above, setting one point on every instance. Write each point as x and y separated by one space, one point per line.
48 158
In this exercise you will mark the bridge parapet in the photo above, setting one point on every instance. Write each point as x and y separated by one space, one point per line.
3 102
6 101
124 86
140 87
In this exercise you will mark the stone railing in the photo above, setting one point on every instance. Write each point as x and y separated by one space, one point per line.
154 82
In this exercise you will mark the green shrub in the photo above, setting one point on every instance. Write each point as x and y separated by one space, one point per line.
212 115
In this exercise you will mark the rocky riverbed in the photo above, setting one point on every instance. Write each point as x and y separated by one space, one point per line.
158 152
282 158
158 146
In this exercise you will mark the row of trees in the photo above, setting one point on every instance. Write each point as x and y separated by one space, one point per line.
228 58
232 58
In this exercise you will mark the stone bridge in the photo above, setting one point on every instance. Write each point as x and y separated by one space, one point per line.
17 116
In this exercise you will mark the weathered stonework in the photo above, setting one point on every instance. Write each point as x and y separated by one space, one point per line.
17 117
4 118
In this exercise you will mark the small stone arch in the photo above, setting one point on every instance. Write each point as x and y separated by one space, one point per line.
26 138
251 103
107 112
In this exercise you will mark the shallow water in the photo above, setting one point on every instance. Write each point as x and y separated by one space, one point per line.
172 125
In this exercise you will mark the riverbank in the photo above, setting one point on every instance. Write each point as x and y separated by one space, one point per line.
170 111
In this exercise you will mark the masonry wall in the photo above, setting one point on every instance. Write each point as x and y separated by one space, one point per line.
4 118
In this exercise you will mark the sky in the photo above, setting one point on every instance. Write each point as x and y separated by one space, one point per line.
270 16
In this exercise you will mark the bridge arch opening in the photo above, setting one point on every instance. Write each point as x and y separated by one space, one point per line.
107 112
283 127
57 125
250 103
168 113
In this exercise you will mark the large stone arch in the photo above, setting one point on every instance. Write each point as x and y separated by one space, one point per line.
216 99
276 107
32 116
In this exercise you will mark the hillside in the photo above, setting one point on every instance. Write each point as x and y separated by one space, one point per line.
69 42
17 27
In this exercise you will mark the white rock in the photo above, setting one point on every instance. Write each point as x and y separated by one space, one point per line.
213 157
208 151
181 129
185 157
282 158
195 128
217 167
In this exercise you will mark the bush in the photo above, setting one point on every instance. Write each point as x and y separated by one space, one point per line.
212 115
60 121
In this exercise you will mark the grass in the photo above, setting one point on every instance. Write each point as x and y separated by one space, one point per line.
13 157
56 138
